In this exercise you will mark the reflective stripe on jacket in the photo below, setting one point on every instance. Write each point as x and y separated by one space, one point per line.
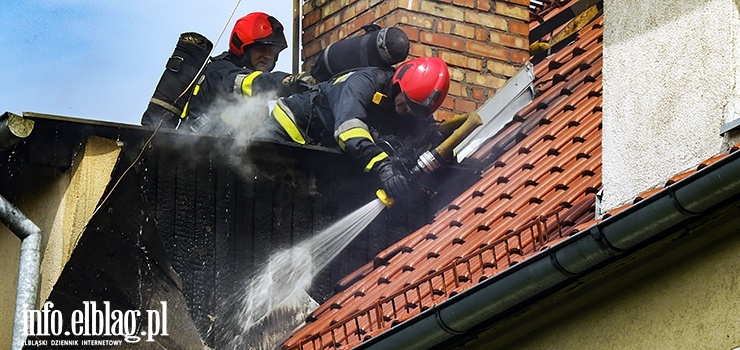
345 113
225 84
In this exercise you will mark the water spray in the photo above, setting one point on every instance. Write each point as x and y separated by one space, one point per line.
293 270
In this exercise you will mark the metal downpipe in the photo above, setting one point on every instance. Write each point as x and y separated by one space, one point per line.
296 34
27 289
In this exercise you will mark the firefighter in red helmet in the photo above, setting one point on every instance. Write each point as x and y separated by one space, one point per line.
362 111
256 41
244 71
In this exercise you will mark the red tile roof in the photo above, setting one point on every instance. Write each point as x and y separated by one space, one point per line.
544 10
540 189
546 170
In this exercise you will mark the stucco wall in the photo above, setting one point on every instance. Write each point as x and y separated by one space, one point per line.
670 72
681 294
60 208
732 112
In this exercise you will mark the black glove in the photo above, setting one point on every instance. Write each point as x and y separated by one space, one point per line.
393 180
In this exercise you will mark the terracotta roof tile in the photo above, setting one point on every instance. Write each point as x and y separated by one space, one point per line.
549 9
679 177
616 210
647 194
545 168
539 189
711 161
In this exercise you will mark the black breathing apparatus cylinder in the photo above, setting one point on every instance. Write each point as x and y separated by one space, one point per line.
376 48
169 97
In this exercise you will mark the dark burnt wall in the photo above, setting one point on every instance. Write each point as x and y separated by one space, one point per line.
218 210
222 210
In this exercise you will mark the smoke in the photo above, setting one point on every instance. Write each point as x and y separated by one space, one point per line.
237 119
247 117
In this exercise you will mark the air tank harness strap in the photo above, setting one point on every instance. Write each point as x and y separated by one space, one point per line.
174 64
164 105
312 107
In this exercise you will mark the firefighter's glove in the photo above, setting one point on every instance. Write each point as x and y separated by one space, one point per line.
394 182
301 79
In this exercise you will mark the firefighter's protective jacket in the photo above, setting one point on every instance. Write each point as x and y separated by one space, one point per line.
355 112
223 87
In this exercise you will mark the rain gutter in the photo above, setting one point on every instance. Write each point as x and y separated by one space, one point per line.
492 298
13 128
27 289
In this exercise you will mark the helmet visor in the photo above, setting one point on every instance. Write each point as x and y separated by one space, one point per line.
424 108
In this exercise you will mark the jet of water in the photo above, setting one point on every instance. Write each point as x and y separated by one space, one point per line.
292 270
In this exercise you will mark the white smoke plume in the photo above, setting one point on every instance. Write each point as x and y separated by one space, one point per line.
239 120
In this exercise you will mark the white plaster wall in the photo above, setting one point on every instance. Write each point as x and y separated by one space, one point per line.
732 112
670 72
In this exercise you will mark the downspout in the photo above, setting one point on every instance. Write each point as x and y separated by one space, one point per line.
573 257
296 34
27 289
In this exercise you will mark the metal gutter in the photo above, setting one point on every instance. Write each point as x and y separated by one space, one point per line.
13 128
42 116
686 199
27 289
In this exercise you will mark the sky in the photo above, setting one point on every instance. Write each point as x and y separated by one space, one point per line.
101 60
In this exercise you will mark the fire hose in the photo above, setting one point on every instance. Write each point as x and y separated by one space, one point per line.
432 160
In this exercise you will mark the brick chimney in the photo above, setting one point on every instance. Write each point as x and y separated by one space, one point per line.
484 42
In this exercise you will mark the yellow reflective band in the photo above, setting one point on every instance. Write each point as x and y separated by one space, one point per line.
353 133
288 125
247 83
375 160
342 78
378 98
187 104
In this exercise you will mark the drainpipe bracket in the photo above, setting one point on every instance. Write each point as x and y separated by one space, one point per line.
554 261
679 207
598 236
441 323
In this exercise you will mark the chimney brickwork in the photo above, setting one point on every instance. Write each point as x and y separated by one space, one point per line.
484 42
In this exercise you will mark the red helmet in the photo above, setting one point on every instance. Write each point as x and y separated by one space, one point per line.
256 28
424 83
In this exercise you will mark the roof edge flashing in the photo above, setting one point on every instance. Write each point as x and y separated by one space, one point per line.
499 110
